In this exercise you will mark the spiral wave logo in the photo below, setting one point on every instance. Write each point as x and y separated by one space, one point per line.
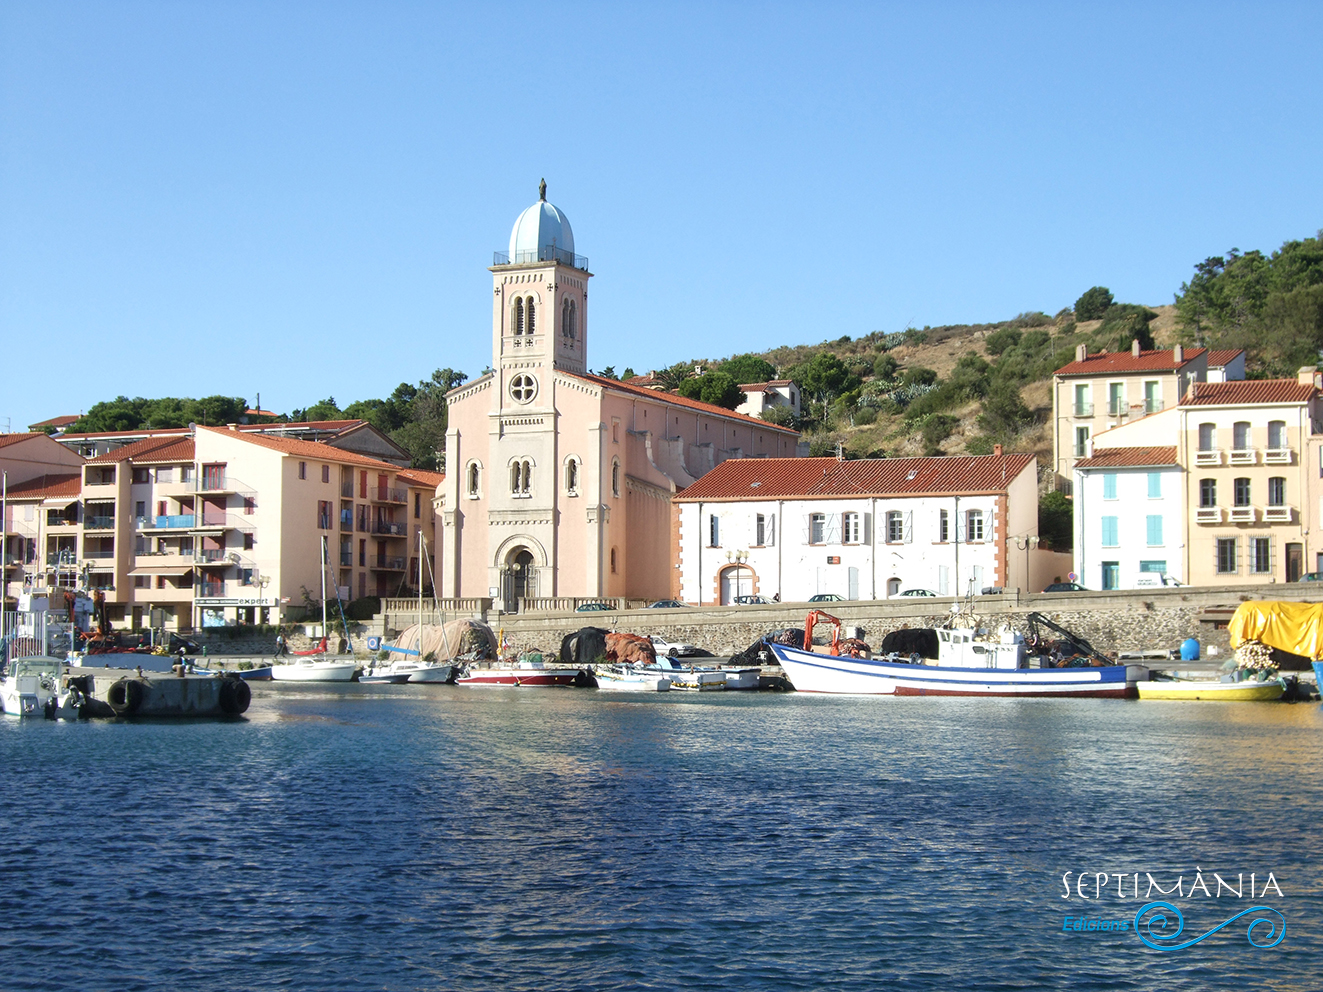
1158 927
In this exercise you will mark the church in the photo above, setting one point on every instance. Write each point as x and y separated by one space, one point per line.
559 482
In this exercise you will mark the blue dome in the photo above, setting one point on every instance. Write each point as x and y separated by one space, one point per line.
539 228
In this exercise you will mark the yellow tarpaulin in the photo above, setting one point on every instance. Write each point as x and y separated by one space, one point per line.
1293 627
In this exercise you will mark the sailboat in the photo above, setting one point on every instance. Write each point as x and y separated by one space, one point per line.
317 668
414 667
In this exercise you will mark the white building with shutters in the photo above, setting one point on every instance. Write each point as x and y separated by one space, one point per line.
791 529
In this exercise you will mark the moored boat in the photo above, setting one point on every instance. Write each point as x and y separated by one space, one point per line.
627 678
30 686
524 673
1208 689
318 670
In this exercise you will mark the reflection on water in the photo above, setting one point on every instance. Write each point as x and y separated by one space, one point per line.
434 837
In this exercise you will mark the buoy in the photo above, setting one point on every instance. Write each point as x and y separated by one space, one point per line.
1190 649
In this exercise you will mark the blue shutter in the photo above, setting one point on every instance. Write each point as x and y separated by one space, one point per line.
1155 485
1109 485
1155 530
1109 532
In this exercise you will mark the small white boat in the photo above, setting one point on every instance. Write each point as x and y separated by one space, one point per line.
30 686
745 679
308 670
687 678
424 671
626 678
382 676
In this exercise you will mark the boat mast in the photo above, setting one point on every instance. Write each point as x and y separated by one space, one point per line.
324 635
421 546
4 566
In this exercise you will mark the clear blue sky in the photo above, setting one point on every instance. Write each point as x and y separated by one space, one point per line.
301 199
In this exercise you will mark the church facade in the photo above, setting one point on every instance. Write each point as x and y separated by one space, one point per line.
559 482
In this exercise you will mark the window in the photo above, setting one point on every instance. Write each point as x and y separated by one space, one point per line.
165 475
1110 532
186 473
759 530
1242 492
523 388
303 470
974 525
417 506
324 514
850 528
1155 485
1083 406
1109 485
1260 555
1226 555
943 526
1154 521
1207 493
248 542
1277 434
532 316
521 478
1207 437
1240 433
615 478
140 509
474 478
1111 575
1153 566
141 475
568 314
572 476
1152 397
517 318
1277 491
817 528
249 505
1116 404
713 531
326 473
362 557
895 527
1081 442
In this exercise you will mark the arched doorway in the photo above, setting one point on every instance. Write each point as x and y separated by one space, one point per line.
519 578
736 580
893 587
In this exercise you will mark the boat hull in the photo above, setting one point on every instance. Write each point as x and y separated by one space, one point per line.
1213 691
315 671
811 672
520 677
640 682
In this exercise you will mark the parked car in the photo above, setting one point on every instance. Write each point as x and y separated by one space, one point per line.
666 604
1156 579
1065 587
1312 577
919 592
674 649
826 597
592 607
752 601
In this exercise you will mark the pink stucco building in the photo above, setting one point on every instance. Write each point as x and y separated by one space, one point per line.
559 482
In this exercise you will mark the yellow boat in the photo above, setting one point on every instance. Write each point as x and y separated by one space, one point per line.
1205 690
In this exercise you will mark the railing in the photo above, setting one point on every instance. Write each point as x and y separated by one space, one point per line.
1208 515
1118 408
385 527
1244 514
381 494
99 554
1084 409
387 563
1278 456
1244 456
346 559
209 555
98 523
546 253
347 489
1278 514
1209 456
403 612
63 559
1081 450
166 522
1154 406
223 482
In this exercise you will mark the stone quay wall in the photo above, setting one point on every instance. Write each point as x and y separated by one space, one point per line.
1123 620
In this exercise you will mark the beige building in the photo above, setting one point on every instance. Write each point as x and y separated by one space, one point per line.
1102 391
558 481
35 469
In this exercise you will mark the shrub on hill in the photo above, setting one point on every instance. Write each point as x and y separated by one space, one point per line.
716 388
1093 303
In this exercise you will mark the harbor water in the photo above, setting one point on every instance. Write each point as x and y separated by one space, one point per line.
346 837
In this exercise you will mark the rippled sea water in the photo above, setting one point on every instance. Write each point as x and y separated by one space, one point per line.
437 837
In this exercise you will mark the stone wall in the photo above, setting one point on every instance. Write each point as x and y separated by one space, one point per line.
1127 620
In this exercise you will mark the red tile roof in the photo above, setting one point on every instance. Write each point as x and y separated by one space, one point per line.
308 449
422 477
317 425
1220 359
7 439
677 400
151 449
784 478
64 421
1247 391
1129 457
1117 362
47 486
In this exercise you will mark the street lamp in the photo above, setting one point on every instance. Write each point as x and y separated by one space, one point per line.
1024 544
738 558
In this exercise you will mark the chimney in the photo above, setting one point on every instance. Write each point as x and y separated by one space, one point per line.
233 427
1306 375
1134 347
997 450
1081 352
1177 355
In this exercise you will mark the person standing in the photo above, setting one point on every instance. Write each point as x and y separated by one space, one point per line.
282 647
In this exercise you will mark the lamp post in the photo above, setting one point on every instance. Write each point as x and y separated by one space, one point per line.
738 558
1024 543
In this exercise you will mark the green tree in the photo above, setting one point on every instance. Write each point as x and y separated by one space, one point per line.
1093 303
716 388
998 341
824 377
937 429
321 410
1056 522
1004 413
885 367
917 375
747 369
673 376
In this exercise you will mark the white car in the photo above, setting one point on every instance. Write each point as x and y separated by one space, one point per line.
671 649
919 592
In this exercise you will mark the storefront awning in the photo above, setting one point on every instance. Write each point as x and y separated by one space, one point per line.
162 570
58 502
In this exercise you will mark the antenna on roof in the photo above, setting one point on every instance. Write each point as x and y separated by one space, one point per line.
840 451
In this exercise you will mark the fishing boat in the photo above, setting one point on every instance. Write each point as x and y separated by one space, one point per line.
523 673
629 678
30 686
968 664
688 678
1208 689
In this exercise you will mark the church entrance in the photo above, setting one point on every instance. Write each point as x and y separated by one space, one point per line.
518 579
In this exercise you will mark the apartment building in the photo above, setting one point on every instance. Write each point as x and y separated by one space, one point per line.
1102 391
864 529
35 470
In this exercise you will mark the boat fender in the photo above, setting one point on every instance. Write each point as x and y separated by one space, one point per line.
49 709
235 695
125 696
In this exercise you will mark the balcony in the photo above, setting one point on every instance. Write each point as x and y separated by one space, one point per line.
1244 456
545 253
1118 408
346 559
1278 514
211 556
381 494
1212 456
227 521
99 523
1208 515
99 554
347 489
386 563
1244 514
393 530
1084 409
215 483
1278 456
346 521
1153 406
169 522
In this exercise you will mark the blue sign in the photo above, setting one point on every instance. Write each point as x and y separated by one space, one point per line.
374 643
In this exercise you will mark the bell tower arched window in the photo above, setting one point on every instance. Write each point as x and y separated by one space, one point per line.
532 316
521 477
518 318
569 329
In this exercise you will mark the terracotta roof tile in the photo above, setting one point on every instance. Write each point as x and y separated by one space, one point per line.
8 439
46 486
152 449
280 427
1116 362
784 478
64 421
673 398
422 477
1129 457
1247 391
308 449
1220 359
